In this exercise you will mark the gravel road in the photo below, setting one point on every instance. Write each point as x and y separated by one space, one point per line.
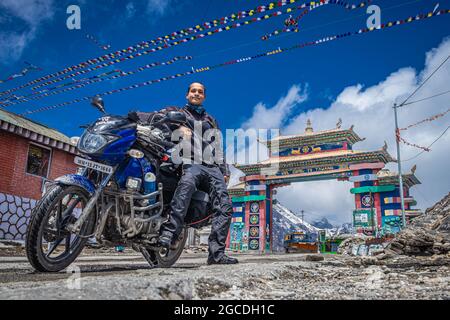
291 276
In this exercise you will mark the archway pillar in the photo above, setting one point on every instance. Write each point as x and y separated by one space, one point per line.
367 216
256 205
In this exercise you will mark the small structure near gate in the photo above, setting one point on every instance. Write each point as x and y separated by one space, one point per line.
30 155
313 156
300 242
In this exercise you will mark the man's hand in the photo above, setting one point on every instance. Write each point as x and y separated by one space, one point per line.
226 178
143 130
187 133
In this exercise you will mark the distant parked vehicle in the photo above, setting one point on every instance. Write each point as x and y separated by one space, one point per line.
300 242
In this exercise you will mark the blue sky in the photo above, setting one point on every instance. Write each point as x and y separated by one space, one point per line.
232 91
35 31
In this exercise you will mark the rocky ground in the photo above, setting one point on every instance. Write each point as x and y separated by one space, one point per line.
427 235
287 276
413 265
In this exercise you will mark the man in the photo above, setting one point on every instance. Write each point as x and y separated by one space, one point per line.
207 176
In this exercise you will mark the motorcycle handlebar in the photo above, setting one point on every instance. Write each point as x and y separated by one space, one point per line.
167 144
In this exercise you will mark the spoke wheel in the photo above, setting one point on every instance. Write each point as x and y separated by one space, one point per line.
167 260
50 247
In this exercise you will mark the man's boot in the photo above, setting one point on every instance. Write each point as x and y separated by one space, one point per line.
165 239
224 260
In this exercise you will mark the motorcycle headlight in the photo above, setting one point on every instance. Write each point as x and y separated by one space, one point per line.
91 142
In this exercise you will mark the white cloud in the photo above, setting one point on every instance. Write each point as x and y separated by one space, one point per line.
12 44
264 118
158 7
370 110
153 8
33 13
275 117
130 9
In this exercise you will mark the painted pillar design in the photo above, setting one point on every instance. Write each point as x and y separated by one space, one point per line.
237 241
392 209
227 242
269 218
256 212
368 213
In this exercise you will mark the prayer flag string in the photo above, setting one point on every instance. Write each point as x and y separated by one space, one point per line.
385 26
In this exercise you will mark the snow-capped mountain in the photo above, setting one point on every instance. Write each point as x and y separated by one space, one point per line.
285 222
346 228
288 214
323 224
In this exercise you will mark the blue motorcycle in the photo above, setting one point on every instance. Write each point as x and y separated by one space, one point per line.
119 196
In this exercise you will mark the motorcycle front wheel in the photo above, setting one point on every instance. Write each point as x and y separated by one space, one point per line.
49 246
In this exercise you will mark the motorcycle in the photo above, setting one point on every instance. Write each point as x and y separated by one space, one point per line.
119 196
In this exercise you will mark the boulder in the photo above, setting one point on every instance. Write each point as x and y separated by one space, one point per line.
426 235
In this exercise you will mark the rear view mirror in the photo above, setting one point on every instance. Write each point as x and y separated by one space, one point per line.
98 103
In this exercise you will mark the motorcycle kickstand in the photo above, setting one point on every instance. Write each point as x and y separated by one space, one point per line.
149 256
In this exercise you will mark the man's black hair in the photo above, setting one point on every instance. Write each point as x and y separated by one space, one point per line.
204 88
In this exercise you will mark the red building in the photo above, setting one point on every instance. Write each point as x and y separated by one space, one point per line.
30 155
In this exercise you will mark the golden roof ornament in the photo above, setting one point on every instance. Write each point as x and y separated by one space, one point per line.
309 129
339 123
384 173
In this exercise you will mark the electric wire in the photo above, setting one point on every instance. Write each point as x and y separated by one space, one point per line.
420 153
428 98
423 82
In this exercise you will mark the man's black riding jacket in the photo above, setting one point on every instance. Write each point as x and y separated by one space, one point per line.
159 120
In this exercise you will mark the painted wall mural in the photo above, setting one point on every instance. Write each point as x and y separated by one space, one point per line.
392 225
254 226
15 214
311 170
310 149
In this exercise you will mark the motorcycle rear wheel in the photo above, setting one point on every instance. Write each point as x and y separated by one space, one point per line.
161 260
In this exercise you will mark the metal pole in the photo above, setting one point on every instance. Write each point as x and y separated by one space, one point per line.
400 177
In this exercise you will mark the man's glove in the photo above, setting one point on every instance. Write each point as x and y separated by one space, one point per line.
186 132
143 131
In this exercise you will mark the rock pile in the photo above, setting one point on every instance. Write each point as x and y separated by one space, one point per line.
427 235
196 249
347 246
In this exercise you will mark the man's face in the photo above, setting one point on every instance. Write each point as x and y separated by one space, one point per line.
196 94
